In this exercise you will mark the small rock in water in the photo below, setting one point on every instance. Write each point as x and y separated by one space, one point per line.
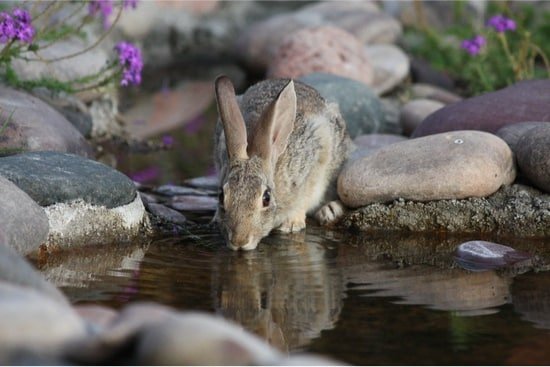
205 182
191 203
174 190
166 213
483 255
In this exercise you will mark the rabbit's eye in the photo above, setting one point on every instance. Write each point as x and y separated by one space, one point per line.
266 198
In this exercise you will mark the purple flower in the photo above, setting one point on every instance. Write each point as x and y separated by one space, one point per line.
129 4
473 45
16 26
501 24
168 140
104 7
129 58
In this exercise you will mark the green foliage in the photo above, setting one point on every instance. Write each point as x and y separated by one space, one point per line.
506 58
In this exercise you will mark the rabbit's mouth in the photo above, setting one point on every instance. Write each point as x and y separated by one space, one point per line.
250 245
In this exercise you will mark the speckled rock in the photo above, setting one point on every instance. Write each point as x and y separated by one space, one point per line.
414 112
321 49
524 101
421 91
390 64
358 104
35 126
23 222
533 156
50 178
453 165
516 210
511 134
370 143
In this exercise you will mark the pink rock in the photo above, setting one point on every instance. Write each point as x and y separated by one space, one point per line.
321 49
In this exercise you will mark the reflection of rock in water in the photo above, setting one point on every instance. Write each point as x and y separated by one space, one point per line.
286 294
531 298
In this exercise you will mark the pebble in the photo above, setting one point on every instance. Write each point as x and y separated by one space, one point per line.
524 101
36 126
23 222
390 64
193 203
204 182
533 156
414 112
452 165
483 255
359 105
174 190
167 214
51 177
321 49
511 134
427 91
423 72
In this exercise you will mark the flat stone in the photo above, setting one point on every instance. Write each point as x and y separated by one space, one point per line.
321 49
524 101
483 255
51 178
368 144
452 165
516 210
167 214
511 134
175 190
23 222
190 203
390 64
36 126
427 91
414 112
359 105
204 182
33 321
16 270
533 156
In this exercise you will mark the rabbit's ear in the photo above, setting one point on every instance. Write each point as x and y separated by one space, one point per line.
232 118
276 123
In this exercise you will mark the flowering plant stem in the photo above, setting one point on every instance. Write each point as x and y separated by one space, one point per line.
483 77
511 58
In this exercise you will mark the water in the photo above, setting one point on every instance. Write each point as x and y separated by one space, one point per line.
363 299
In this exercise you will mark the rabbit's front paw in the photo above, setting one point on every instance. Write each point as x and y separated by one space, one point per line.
330 212
294 224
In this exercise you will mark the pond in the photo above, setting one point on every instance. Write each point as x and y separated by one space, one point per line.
378 298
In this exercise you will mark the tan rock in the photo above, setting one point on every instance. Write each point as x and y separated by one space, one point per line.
415 111
452 165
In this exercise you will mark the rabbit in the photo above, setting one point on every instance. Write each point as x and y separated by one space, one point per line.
278 159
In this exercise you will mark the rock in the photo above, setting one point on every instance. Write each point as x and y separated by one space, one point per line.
517 210
51 178
423 72
391 108
193 203
453 165
82 121
368 144
533 156
511 134
205 182
415 111
174 190
36 126
23 222
259 42
321 49
33 321
391 67
17 271
421 91
166 213
483 255
359 106
524 101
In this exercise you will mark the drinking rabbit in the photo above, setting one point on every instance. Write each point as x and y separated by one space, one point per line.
279 149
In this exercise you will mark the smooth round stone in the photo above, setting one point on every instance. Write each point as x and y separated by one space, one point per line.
511 134
524 101
368 144
391 67
204 182
16 270
51 178
23 222
483 255
174 190
36 126
190 203
414 112
167 214
427 91
453 165
321 49
359 105
533 156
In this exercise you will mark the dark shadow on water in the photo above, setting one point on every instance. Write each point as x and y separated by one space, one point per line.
364 299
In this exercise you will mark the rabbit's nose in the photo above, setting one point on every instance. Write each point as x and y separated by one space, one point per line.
242 243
